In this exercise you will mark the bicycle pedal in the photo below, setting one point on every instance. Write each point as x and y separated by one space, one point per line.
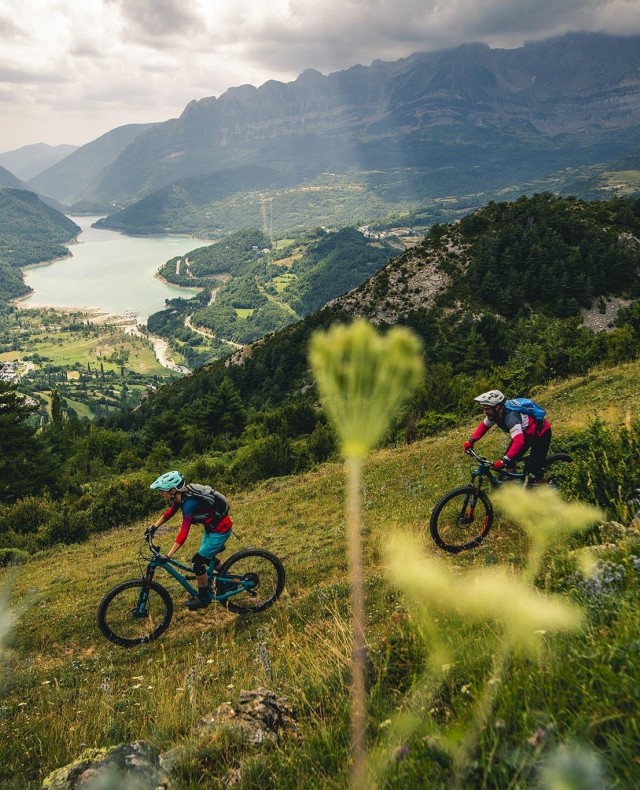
190 578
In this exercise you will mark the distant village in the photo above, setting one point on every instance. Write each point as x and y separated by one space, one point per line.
9 372
406 236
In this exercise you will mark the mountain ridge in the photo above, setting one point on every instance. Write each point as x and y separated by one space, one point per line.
28 161
418 112
74 173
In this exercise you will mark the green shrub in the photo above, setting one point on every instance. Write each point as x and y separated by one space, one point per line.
13 557
605 468
67 525
208 471
271 456
27 515
120 502
321 443
432 423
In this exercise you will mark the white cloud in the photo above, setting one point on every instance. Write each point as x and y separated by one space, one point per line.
82 68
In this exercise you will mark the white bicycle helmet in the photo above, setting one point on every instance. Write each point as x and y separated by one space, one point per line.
491 398
169 480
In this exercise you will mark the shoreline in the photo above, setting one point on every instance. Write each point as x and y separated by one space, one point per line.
51 260
94 315
141 235
128 323
175 285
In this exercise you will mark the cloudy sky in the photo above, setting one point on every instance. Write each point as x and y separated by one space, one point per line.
71 70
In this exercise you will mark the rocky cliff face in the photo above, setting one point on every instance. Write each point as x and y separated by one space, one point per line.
416 112
541 85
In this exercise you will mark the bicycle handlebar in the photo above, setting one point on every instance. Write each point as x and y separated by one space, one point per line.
480 458
148 534
486 462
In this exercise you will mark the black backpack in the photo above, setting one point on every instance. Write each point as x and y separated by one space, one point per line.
214 500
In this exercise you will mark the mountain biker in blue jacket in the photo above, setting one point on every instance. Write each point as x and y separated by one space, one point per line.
526 433
217 530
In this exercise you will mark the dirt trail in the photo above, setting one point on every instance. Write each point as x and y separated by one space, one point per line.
207 333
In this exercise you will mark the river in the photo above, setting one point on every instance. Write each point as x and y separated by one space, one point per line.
109 272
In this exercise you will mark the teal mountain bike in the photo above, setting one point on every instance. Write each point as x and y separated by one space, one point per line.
463 517
140 610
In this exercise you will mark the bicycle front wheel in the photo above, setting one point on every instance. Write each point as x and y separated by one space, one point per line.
259 577
461 519
126 619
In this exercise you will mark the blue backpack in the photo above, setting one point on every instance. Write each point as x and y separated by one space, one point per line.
526 406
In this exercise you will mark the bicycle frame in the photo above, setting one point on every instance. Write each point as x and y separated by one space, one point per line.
484 470
173 568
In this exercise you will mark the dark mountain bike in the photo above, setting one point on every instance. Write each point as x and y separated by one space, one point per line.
463 517
140 610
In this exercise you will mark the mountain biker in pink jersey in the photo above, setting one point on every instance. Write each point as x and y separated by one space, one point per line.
525 431
217 530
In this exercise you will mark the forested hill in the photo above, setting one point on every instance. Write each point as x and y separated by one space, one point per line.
30 232
542 254
496 297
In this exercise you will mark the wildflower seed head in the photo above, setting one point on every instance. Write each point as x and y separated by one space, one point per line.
483 595
363 377
544 514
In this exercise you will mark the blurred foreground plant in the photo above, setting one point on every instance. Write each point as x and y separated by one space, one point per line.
546 518
572 768
7 617
504 600
363 377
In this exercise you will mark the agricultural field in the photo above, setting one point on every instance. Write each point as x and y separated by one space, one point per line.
95 362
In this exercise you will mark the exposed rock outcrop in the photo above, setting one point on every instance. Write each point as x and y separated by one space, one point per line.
129 766
260 715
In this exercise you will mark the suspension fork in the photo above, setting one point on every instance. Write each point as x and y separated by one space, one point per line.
148 576
143 598
471 500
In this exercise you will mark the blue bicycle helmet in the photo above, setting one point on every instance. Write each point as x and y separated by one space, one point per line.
169 480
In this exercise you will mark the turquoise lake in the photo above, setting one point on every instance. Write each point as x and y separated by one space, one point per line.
110 272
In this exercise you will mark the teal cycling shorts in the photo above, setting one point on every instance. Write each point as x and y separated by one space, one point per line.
212 543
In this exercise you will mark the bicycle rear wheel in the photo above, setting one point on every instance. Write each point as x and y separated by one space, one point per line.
125 621
259 577
461 519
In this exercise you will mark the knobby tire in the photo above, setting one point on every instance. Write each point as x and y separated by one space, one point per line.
555 458
263 567
117 618
451 527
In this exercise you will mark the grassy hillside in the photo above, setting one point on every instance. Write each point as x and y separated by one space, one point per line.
68 688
